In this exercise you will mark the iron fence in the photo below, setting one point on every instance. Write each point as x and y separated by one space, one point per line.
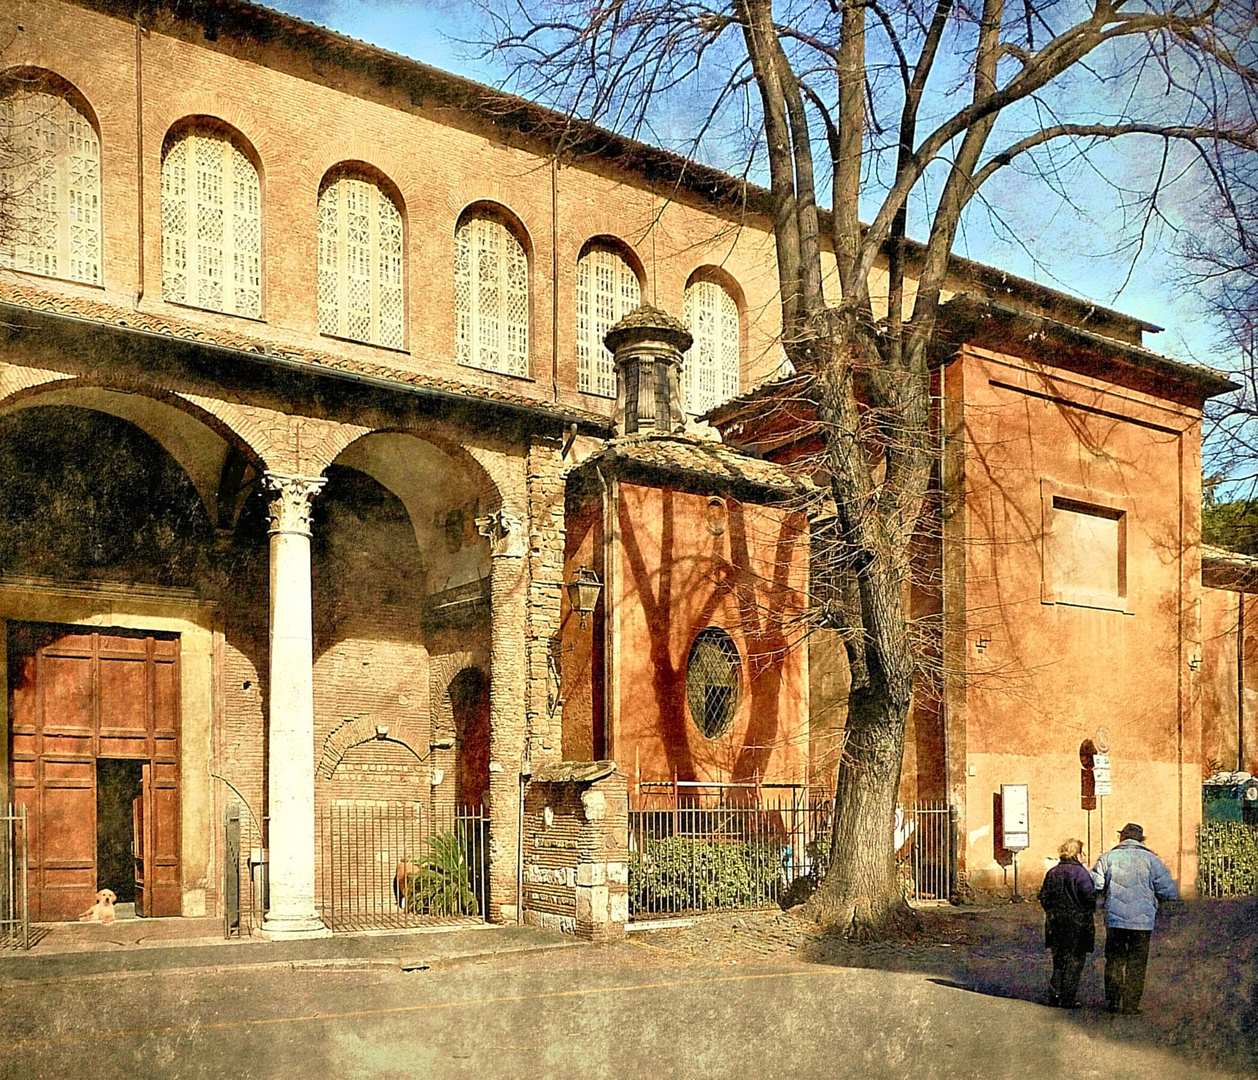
722 847
696 847
245 867
1227 860
390 865
15 915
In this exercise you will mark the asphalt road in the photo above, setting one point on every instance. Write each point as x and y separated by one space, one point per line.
627 1010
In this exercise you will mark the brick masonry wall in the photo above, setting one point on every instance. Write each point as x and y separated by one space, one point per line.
298 126
576 852
546 473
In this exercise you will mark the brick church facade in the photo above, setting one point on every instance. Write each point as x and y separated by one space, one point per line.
307 422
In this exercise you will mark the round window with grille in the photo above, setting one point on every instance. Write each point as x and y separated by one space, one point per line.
712 681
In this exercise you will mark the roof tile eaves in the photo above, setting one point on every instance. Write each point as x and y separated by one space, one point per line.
131 319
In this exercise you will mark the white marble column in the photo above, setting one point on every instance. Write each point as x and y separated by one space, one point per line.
507 694
290 779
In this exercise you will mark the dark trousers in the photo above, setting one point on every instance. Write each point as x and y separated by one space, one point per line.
1126 955
1067 971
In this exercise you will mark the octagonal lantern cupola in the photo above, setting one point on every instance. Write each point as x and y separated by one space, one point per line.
648 345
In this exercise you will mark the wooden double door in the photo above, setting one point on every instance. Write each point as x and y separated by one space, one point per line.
94 756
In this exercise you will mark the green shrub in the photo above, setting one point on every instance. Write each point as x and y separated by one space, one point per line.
1227 859
678 873
441 884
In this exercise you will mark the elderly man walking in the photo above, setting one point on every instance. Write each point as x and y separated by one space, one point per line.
1133 880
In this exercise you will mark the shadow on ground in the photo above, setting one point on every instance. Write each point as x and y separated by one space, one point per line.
1201 994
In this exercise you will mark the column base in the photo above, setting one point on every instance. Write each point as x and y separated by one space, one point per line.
292 929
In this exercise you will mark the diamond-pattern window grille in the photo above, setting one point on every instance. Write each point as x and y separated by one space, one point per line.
360 263
491 297
211 225
711 365
712 681
50 176
607 290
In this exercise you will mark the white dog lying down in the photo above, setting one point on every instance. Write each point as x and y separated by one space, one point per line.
103 909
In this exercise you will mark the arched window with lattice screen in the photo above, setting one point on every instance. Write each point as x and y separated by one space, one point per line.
491 296
50 178
211 224
607 290
712 681
711 366
360 262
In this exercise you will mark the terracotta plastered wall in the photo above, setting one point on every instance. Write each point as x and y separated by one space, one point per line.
581 662
685 562
1047 666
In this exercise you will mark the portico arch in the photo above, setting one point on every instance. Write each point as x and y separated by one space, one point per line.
198 440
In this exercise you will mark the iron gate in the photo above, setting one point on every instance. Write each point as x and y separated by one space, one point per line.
15 916
930 859
391 865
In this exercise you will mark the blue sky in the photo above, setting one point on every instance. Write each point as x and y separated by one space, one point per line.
1074 245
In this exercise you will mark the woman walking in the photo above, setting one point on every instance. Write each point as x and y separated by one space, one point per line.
1068 897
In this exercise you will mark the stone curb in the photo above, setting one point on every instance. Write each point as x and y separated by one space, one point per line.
336 963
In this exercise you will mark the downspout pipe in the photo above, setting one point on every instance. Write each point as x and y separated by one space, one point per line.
139 158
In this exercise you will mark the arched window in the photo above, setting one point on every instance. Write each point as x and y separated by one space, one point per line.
491 296
711 365
211 224
49 187
712 673
360 262
607 290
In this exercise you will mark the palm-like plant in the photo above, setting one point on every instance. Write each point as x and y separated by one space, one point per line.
441 884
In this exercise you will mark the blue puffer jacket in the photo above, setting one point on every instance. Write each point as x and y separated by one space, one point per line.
1133 880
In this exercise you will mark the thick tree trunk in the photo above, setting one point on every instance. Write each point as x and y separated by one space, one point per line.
860 895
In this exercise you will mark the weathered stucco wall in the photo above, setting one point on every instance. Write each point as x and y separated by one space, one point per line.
1081 586
684 562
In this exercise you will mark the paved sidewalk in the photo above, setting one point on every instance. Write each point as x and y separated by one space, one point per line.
93 951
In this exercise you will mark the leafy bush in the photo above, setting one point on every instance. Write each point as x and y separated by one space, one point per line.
441 884
1227 859
679 873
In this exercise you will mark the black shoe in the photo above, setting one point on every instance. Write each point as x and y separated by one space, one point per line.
1052 1001
1071 1005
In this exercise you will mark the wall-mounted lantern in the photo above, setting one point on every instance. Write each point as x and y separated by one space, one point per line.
583 592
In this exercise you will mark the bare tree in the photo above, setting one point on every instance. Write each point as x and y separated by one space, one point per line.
910 106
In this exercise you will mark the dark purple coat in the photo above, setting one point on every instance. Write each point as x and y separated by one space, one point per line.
1068 897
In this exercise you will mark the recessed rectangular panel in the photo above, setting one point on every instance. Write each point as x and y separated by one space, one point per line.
112 646
123 746
166 698
69 824
124 694
67 693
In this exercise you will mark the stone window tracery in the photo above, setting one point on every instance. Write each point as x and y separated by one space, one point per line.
491 297
711 365
50 177
607 290
211 225
360 263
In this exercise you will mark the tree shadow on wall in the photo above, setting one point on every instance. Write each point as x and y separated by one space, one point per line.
760 623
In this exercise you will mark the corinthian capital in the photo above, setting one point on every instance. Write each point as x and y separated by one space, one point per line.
505 532
289 505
